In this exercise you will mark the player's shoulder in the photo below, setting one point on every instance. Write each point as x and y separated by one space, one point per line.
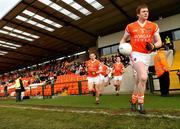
97 61
114 64
106 66
87 62
122 64
152 23
132 24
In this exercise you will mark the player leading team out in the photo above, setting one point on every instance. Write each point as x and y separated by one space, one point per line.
144 37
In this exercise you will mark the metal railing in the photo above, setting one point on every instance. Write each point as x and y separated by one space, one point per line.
151 80
52 84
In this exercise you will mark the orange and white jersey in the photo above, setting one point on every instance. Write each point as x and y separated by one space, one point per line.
92 67
141 34
118 69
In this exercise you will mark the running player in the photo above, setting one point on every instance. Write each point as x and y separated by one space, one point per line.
92 66
117 74
144 37
103 76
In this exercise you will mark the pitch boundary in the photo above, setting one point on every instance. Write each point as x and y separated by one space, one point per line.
92 112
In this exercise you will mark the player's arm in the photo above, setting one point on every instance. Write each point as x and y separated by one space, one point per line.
124 38
122 68
86 66
113 70
108 70
99 68
157 41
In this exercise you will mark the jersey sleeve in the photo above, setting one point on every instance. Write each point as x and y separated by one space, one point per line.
86 63
127 30
156 31
113 67
99 63
122 67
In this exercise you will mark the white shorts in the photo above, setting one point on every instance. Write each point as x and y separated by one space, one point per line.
103 78
117 78
93 80
140 57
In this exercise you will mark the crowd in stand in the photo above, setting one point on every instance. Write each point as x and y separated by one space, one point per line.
109 61
44 72
55 68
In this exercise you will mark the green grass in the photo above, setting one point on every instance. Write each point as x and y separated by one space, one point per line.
107 102
33 119
13 118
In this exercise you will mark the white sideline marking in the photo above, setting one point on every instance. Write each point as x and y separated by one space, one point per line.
93 112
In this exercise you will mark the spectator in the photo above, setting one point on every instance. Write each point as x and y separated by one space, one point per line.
169 43
18 89
162 71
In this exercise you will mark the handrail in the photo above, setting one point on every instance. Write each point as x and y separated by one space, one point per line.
54 83
175 70
70 82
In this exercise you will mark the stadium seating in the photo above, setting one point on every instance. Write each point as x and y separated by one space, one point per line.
70 82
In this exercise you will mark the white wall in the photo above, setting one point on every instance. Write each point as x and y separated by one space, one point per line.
169 23
127 84
81 58
110 39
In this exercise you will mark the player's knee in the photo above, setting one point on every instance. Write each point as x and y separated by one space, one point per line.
143 77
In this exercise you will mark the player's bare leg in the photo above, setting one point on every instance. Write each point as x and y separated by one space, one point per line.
134 94
118 87
101 86
91 88
97 88
140 68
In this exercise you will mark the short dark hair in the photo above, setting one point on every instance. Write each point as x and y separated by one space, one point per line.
139 7
92 53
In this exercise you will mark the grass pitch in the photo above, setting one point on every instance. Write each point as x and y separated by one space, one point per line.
116 109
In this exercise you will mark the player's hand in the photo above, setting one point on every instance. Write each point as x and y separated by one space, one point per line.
150 46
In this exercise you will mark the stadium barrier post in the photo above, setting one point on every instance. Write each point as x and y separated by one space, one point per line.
52 88
150 82
43 90
30 91
80 87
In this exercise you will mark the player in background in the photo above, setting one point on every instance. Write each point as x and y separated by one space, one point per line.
117 74
93 71
103 76
144 38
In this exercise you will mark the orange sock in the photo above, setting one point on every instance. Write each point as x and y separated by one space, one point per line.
134 98
141 99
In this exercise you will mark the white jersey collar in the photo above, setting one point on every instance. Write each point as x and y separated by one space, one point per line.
141 24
